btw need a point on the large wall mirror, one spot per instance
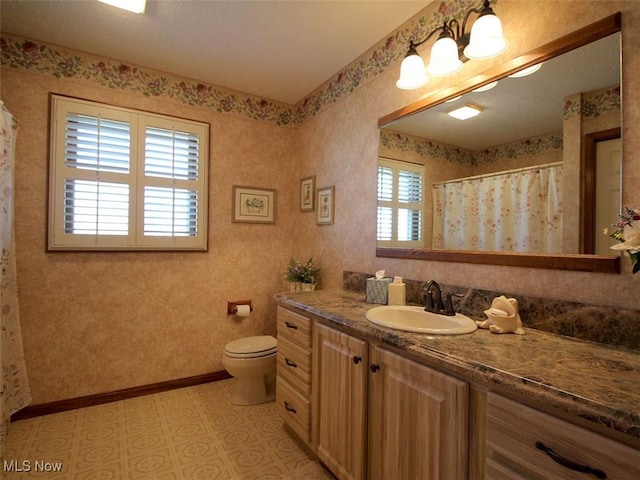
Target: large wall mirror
(530, 181)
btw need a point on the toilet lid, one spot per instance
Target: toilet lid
(258, 346)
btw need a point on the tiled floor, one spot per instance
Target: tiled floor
(190, 433)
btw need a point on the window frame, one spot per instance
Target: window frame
(395, 204)
(135, 239)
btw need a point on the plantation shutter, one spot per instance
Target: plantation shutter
(171, 210)
(385, 203)
(122, 179)
(400, 204)
(94, 147)
(409, 206)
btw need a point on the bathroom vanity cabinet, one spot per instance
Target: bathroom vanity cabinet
(339, 428)
(378, 415)
(373, 406)
(293, 383)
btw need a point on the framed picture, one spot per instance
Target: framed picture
(254, 205)
(307, 194)
(325, 201)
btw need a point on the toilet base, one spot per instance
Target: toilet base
(253, 391)
(255, 373)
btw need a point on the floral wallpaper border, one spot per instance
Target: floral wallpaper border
(590, 105)
(374, 62)
(24, 54)
(593, 104)
(427, 148)
(402, 142)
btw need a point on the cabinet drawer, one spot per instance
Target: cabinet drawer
(294, 365)
(294, 327)
(294, 408)
(516, 433)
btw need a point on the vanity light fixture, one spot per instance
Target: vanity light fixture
(466, 112)
(526, 71)
(135, 6)
(486, 87)
(453, 47)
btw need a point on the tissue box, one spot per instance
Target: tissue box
(378, 290)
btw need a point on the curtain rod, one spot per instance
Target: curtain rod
(497, 174)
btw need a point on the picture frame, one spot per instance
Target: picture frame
(307, 193)
(253, 205)
(325, 203)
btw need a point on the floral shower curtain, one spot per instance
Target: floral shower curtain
(14, 384)
(513, 211)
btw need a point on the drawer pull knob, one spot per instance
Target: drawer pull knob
(374, 368)
(289, 408)
(290, 325)
(290, 363)
(568, 463)
(357, 359)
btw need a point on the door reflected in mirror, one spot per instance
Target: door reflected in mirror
(511, 178)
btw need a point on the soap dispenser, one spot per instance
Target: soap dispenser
(397, 292)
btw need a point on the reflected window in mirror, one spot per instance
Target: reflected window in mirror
(400, 204)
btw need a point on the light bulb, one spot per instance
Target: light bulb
(444, 58)
(412, 72)
(486, 38)
(526, 71)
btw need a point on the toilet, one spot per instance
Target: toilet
(252, 361)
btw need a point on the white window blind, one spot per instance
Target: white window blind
(95, 208)
(400, 204)
(171, 154)
(123, 179)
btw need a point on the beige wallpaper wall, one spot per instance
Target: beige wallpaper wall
(99, 322)
(340, 149)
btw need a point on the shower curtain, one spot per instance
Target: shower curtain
(14, 384)
(513, 211)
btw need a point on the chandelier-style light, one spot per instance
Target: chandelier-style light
(453, 47)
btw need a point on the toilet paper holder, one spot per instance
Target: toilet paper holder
(232, 307)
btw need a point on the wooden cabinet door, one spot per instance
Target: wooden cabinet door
(417, 421)
(339, 402)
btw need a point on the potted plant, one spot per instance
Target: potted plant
(302, 276)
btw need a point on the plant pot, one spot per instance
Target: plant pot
(308, 287)
(295, 286)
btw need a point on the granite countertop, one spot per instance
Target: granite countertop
(595, 382)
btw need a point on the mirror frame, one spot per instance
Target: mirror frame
(577, 262)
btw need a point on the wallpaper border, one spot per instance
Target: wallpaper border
(409, 143)
(39, 57)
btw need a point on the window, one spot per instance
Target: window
(400, 204)
(123, 179)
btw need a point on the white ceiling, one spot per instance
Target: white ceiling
(280, 50)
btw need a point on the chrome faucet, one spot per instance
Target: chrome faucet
(433, 300)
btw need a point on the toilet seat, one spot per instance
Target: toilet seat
(251, 347)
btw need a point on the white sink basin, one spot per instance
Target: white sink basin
(415, 319)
